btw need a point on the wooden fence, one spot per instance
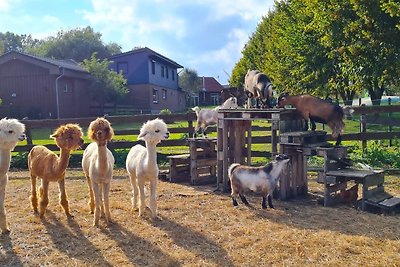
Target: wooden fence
(362, 136)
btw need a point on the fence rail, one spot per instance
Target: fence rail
(362, 136)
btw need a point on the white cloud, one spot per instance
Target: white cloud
(7, 5)
(51, 20)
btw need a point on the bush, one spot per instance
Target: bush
(165, 112)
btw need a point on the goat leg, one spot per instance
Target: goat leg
(244, 200)
(264, 202)
(313, 126)
(234, 202)
(270, 202)
(338, 140)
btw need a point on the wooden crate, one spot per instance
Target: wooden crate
(179, 168)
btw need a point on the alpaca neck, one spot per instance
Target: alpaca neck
(102, 162)
(151, 154)
(5, 158)
(63, 160)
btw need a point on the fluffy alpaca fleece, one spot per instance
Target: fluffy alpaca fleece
(45, 164)
(11, 131)
(98, 163)
(141, 164)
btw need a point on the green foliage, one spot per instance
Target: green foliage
(190, 83)
(13, 42)
(19, 160)
(165, 112)
(106, 85)
(378, 155)
(77, 44)
(326, 48)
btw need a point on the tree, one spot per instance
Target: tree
(190, 82)
(13, 42)
(106, 85)
(77, 44)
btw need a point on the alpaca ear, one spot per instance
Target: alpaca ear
(54, 135)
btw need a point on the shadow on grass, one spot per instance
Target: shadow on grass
(195, 242)
(72, 241)
(9, 257)
(139, 251)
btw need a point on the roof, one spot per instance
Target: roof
(152, 54)
(67, 63)
(211, 84)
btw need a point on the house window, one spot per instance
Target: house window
(164, 93)
(153, 67)
(155, 96)
(66, 88)
(122, 67)
(172, 75)
(162, 71)
(166, 72)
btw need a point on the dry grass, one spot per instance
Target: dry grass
(197, 228)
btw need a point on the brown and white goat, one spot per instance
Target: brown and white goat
(317, 110)
(261, 180)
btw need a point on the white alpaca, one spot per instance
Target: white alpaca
(141, 164)
(98, 164)
(11, 131)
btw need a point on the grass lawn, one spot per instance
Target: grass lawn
(196, 227)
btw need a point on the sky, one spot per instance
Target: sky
(204, 35)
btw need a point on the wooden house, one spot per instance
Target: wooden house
(152, 80)
(41, 88)
(209, 93)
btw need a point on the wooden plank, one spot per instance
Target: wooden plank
(352, 173)
(376, 195)
(375, 179)
(390, 202)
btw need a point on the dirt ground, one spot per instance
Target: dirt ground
(196, 227)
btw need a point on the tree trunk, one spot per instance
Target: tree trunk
(376, 92)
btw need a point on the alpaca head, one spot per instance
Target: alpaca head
(154, 131)
(11, 131)
(100, 131)
(68, 136)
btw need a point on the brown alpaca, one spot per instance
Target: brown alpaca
(44, 164)
(98, 164)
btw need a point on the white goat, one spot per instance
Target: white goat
(261, 180)
(207, 117)
(11, 132)
(141, 164)
(98, 164)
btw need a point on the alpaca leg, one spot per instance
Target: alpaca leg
(142, 204)
(3, 219)
(338, 140)
(106, 191)
(44, 197)
(101, 190)
(153, 198)
(63, 197)
(34, 199)
(91, 201)
(134, 191)
(96, 191)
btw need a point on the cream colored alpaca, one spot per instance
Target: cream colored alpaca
(45, 164)
(11, 131)
(141, 164)
(98, 163)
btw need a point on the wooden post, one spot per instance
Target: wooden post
(225, 178)
(193, 162)
(220, 150)
(28, 134)
(390, 118)
(248, 143)
(274, 137)
(363, 129)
